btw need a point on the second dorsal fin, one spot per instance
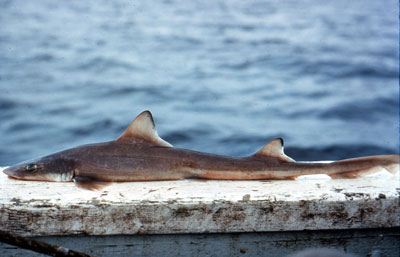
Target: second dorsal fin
(274, 149)
(143, 127)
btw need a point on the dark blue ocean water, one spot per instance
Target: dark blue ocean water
(219, 76)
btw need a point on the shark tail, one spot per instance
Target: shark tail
(392, 168)
(355, 173)
(390, 163)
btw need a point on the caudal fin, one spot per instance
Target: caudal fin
(394, 164)
(393, 168)
(355, 173)
(377, 163)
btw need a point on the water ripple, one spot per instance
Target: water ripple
(219, 76)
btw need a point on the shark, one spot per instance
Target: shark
(139, 154)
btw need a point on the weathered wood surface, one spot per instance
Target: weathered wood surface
(361, 242)
(190, 206)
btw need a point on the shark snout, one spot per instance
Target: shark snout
(17, 171)
(9, 171)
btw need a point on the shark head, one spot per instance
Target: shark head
(48, 168)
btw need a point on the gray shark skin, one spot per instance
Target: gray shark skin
(139, 154)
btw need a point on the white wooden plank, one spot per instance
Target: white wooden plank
(191, 206)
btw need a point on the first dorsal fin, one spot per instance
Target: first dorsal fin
(274, 149)
(143, 127)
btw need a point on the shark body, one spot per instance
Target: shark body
(139, 154)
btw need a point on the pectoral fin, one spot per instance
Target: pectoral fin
(90, 183)
(274, 149)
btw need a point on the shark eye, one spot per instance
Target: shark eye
(31, 167)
